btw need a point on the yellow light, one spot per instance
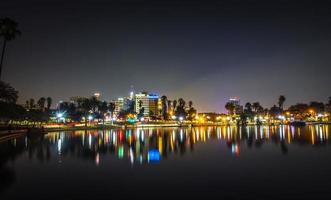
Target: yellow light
(160, 145)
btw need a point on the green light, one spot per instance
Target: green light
(120, 152)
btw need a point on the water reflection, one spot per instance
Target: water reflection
(140, 146)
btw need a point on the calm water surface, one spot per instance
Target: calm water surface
(231, 162)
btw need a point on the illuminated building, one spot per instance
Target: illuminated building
(150, 103)
(97, 95)
(131, 93)
(118, 105)
(121, 104)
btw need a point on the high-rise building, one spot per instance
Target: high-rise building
(147, 101)
(122, 103)
(131, 93)
(118, 105)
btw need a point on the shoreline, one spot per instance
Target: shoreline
(39, 131)
(130, 126)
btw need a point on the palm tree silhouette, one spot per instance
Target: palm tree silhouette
(41, 103)
(48, 103)
(256, 106)
(9, 31)
(281, 101)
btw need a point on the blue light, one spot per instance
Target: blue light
(154, 155)
(153, 96)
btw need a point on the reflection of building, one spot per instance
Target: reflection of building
(150, 145)
(150, 103)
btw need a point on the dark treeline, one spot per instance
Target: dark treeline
(299, 111)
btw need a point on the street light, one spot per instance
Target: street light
(59, 115)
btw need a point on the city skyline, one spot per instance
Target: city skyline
(206, 52)
(179, 99)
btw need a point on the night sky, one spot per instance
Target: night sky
(204, 51)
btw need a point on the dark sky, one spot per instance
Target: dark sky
(205, 51)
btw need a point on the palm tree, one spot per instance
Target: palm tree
(180, 111)
(103, 109)
(48, 103)
(27, 104)
(86, 107)
(31, 102)
(281, 101)
(174, 104)
(41, 103)
(111, 108)
(190, 104)
(181, 102)
(141, 108)
(9, 31)
(164, 101)
(256, 106)
(8, 93)
(94, 103)
(169, 105)
(191, 111)
(230, 107)
(248, 106)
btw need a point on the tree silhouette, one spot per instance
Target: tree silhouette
(48, 103)
(111, 108)
(8, 93)
(103, 109)
(9, 31)
(164, 112)
(41, 103)
(230, 107)
(281, 101)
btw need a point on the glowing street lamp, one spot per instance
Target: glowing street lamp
(59, 115)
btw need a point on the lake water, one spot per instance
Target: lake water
(231, 162)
